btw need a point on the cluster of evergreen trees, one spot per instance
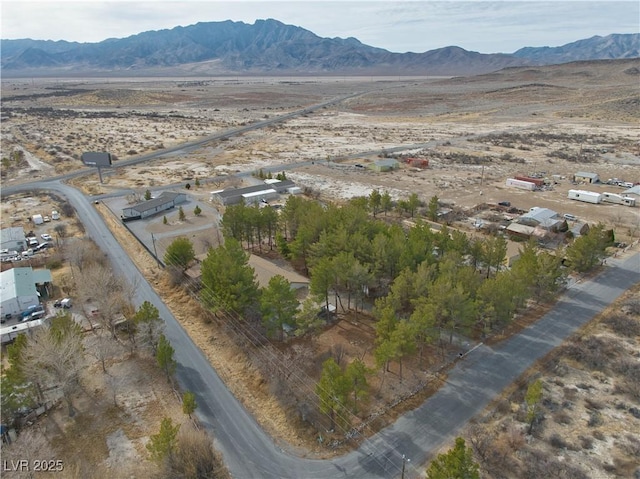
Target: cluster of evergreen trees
(429, 284)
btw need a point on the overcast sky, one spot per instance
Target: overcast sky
(416, 26)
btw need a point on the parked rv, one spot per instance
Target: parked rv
(618, 199)
(55, 215)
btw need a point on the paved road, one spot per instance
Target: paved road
(250, 453)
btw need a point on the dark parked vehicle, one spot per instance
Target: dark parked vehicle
(505, 203)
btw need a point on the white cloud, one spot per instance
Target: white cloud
(418, 26)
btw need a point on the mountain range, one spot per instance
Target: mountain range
(270, 47)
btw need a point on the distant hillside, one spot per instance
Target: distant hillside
(269, 47)
(611, 47)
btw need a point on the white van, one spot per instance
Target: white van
(55, 215)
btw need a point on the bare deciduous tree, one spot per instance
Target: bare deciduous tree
(31, 445)
(102, 348)
(194, 457)
(56, 359)
(110, 293)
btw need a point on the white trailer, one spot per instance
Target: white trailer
(10, 333)
(37, 219)
(523, 185)
(618, 199)
(586, 196)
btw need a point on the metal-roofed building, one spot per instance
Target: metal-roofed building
(586, 177)
(388, 164)
(252, 194)
(13, 238)
(18, 289)
(633, 192)
(164, 202)
(544, 218)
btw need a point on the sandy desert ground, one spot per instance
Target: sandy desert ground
(475, 133)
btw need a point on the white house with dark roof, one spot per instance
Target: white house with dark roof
(164, 202)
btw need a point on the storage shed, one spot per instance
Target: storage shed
(388, 164)
(164, 202)
(586, 177)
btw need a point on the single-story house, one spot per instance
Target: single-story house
(634, 192)
(387, 164)
(164, 202)
(19, 289)
(265, 270)
(13, 239)
(543, 218)
(586, 177)
(252, 194)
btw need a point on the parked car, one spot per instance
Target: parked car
(62, 303)
(41, 247)
(55, 215)
(27, 253)
(46, 219)
(505, 203)
(33, 242)
(567, 216)
(46, 236)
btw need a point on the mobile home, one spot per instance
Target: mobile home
(523, 185)
(586, 196)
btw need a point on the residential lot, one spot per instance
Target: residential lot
(475, 133)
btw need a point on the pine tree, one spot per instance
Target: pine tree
(162, 444)
(181, 215)
(457, 463)
(278, 305)
(333, 389)
(533, 398)
(189, 404)
(197, 210)
(164, 356)
(147, 195)
(180, 253)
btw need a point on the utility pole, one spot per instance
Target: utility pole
(404, 461)
(155, 253)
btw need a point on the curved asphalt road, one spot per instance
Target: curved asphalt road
(250, 453)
